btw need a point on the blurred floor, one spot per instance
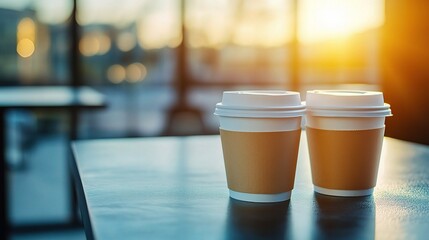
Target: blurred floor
(39, 188)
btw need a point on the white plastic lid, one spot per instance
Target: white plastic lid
(260, 104)
(347, 103)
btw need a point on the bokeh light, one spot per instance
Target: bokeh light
(89, 45)
(94, 43)
(126, 41)
(25, 48)
(26, 29)
(105, 43)
(26, 37)
(136, 72)
(116, 73)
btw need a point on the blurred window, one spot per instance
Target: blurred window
(35, 50)
(35, 44)
(129, 51)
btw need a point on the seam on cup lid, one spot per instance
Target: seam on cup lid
(259, 114)
(339, 92)
(232, 107)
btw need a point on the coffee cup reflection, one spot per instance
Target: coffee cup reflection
(246, 220)
(343, 218)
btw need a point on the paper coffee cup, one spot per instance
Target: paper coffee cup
(260, 133)
(345, 132)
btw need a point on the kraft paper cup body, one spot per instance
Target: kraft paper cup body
(260, 133)
(345, 132)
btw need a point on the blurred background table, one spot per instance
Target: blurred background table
(54, 98)
(175, 188)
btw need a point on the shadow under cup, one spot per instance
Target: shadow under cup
(343, 218)
(246, 220)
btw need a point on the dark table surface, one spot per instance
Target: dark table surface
(46, 97)
(175, 188)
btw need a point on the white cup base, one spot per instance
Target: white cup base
(262, 198)
(343, 193)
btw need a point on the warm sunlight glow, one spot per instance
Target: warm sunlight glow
(157, 29)
(215, 24)
(333, 19)
(176, 41)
